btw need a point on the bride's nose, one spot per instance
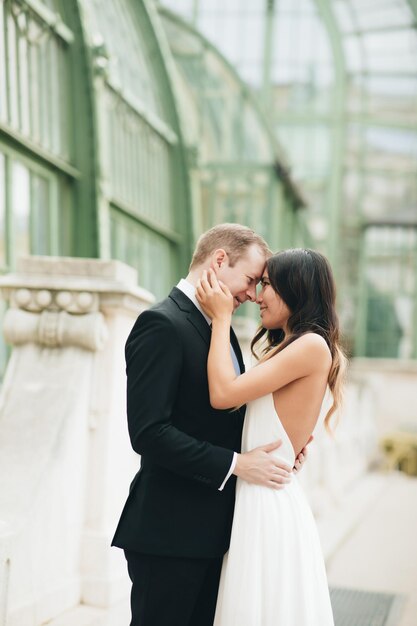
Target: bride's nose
(259, 297)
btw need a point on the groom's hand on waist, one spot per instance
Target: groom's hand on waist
(261, 468)
(301, 458)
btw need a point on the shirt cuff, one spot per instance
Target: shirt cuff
(230, 472)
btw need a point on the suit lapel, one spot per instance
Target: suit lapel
(200, 324)
(197, 320)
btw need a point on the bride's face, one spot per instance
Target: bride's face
(273, 310)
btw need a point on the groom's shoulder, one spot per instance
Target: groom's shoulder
(154, 325)
(168, 308)
(165, 313)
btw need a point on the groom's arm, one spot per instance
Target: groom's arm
(154, 363)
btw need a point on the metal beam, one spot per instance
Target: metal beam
(51, 19)
(389, 28)
(338, 131)
(155, 227)
(267, 53)
(156, 123)
(30, 148)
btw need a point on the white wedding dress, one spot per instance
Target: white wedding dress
(274, 573)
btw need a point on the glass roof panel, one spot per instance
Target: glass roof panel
(390, 99)
(353, 48)
(52, 4)
(300, 50)
(392, 142)
(237, 28)
(344, 16)
(388, 17)
(389, 50)
(296, 6)
(374, 5)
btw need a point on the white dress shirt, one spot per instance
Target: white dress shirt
(189, 290)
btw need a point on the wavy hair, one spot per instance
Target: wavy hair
(304, 279)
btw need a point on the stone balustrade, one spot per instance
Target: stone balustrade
(65, 457)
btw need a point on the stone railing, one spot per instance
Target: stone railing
(65, 458)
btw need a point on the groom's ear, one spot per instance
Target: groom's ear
(219, 259)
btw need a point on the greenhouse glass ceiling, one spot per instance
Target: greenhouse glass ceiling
(346, 63)
(338, 81)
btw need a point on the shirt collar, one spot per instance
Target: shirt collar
(189, 290)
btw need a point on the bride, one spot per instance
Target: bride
(274, 573)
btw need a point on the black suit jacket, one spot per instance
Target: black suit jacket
(174, 506)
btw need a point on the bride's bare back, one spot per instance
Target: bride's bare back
(298, 405)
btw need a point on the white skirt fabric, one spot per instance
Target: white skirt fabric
(274, 573)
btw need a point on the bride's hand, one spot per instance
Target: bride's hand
(214, 297)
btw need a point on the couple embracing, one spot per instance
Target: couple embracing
(216, 529)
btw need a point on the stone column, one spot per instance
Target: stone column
(65, 457)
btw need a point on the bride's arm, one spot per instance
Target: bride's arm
(220, 369)
(217, 301)
(304, 356)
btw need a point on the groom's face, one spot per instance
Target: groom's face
(245, 274)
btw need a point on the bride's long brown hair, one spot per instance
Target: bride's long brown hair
(304, 279)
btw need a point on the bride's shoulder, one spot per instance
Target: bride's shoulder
(312, 340)
(313, 345)
(309, 347)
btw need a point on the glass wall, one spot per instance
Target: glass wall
(144, 203)
(36, 116)
(89, 137)
(388, 291)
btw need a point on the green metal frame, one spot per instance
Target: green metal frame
(183, 190)
(334, 199)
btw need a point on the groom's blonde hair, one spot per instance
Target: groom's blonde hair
(235, 239)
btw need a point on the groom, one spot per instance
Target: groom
(176, 523)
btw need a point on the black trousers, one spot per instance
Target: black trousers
(170, 591)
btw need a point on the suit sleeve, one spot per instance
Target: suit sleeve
(153, 365)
